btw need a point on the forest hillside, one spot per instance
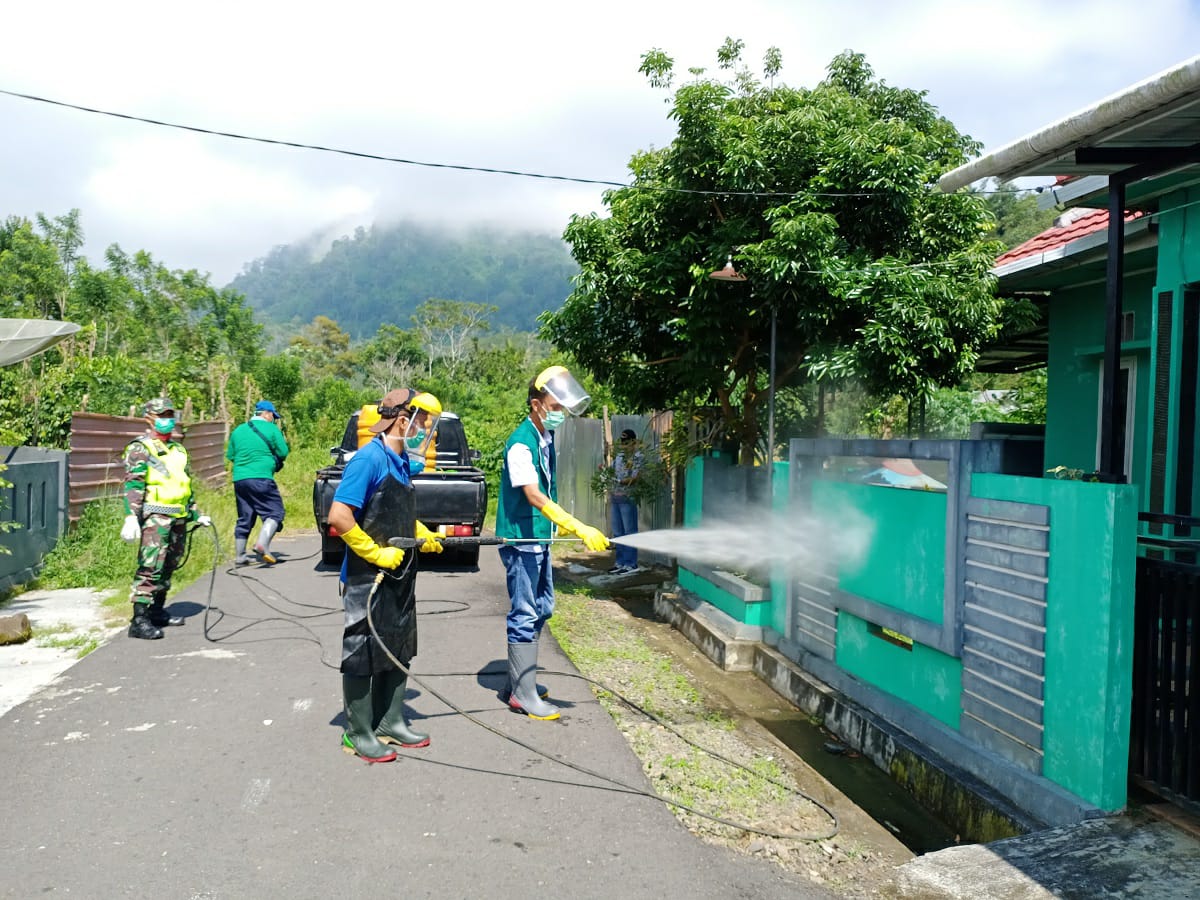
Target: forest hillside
(380, 275)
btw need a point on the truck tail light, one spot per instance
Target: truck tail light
(464, 530)
(333, 532)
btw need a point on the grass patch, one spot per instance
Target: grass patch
(63, 637)
(605, 649)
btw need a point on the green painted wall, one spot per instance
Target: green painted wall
(929, 680)
(1178, 268)
(1073, 373)
(693, 492)
(749, 613)
(1179, 239)
(1089, 629)
(776, 615)
(905, 565)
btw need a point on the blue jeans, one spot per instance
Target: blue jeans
(624, 521)
(530, 580)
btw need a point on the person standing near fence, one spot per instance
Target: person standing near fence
(159, 505)
(257, 449)
(627, 466)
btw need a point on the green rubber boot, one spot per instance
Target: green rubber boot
(359, 738)
(522, 670)
(392, 728)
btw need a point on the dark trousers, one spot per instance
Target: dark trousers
(256, 498)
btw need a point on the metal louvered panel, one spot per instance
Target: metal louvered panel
(1004, 629)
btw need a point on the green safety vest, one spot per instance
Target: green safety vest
(168, 487)
(515, 516)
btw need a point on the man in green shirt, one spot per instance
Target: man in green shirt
(257, 450)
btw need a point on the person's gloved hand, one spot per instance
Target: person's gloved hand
(203, 521)
(432, 539)
(360, 542)
(387, 557)
(131, 529)
(593, 538)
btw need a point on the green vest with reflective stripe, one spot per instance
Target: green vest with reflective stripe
(168, 487)
(515, 516)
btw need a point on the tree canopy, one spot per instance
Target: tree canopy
(823, 198)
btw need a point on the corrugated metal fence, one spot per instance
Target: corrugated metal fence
(98, 444)
(585, 445)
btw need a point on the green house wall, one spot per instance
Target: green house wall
(1178, 270)
(1089, 629)
(1076, 323)
(905, 564)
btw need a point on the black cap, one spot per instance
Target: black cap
(628, 435)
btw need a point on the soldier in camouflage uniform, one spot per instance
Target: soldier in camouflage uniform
(158, 505)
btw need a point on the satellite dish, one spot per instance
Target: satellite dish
(23, 338)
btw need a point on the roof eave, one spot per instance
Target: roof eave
(1017, 158)
(1071, 253)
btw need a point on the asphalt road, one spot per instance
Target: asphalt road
(197, 768)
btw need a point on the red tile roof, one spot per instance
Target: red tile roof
(1083, 222)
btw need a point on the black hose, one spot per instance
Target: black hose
(600, 775)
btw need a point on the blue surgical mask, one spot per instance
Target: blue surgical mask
(553, 419)
(415, 441)
(164, 426)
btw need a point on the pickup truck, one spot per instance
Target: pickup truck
(451, 498)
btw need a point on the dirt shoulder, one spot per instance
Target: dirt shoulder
(607, 626)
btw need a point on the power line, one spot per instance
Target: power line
(358, 154)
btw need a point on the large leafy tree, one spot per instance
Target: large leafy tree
(823, 198)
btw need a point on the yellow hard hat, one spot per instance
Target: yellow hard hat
(427, 402)
(562, 386)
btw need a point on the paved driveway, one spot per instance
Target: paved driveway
(211, 769)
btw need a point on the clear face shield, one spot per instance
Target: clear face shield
(422, 426)
(562, 386)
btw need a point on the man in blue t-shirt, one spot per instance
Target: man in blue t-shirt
(373, 504)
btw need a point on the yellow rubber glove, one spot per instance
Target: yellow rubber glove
(360, 542)
(432, 540)
(593, 538)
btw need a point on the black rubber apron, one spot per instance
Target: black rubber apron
(390, 512)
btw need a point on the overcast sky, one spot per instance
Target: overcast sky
(549, 87)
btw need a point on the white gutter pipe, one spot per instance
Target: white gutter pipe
(1012, 160)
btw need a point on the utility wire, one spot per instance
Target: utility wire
(464, 168)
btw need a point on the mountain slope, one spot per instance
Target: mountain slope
(383, 274)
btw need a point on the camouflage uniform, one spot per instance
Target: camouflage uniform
(163, 534)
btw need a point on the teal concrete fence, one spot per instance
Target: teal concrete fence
(990, 617)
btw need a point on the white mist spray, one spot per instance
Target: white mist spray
(788, 541)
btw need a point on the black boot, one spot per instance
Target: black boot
(359, 738)
(160, 618)
(140, 625)
(388, 689)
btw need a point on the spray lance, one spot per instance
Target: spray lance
(450, 543)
